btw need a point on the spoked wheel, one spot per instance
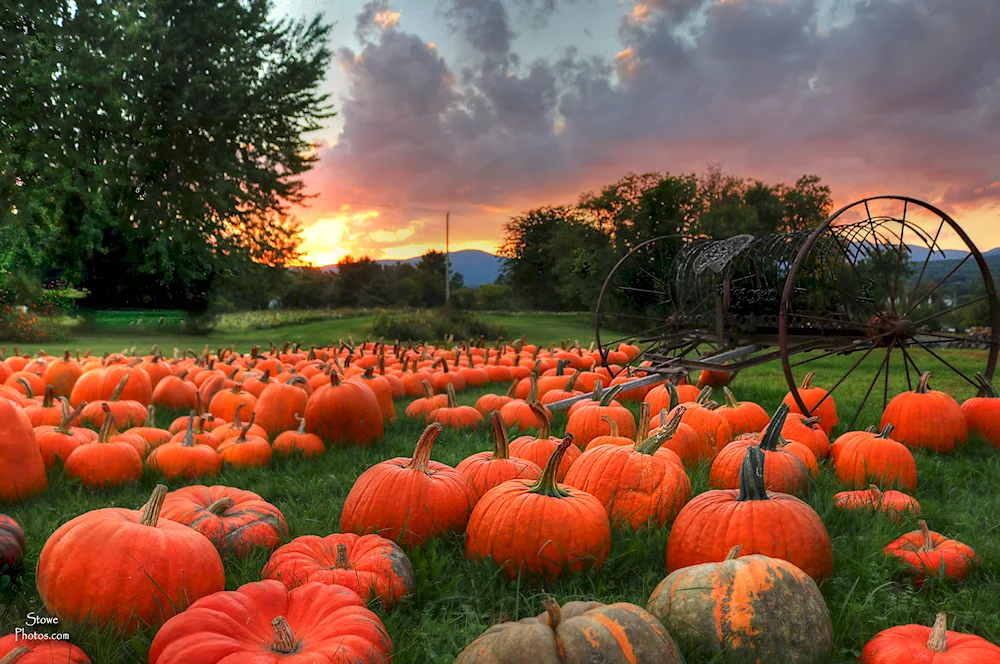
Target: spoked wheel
(876, 284)
(647, 305)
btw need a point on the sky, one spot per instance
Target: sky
(487, 108)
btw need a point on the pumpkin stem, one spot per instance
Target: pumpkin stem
(571, 383)
(452, 398)
(938, 640)
(922, 386)
(302, 424)
(150, 416)
(284, 638)
(561, 366)
(151, 510)
(771, 437)
(500, 439)
(612, 425)
(610, 395)
(645, 411)
(428, 389)
(546, 484)
(341, 561)
(731, 401)
(109, 422)
(512, 391)
(674, 399)
(752, 476)
(928, 544)
(189, 436)
(734, 552)
(50, 394)
(219, 507)
(986, 388)
(69, 415)
(876, 493)
(242, 438)
(810, 422)
(335, 381)
(886, 431)
(704, 395)
(28, 392)
(237, 420)
(533, 392)
(15, 654)
(664, 433)
(542, 415)
(119, 388)
(422, 454)
(807, 380)
(553, 612)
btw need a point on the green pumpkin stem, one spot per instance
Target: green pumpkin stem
(938, 640)
(546, 484)
(664, 433)
(571, 383)
(704, 395)
(807, 380)
(500, 439)
(986, 388)
(612, 425)
(922, 386)
(553, 612)
(734, 553)
(561, 366)
(302, 424)
(610, 395)
(886, 431)
(645, 415)
(771, 438)
(452, 397)
(731, 401)
(422, 454)
(674, 399)
(596, 394)
(752, 476)
(151, 510)
(221, 506)
(242, 438)
(811, 422)
(28, 392)
(189, 436)
(542, 415)
(284, 639)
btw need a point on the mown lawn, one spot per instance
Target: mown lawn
(457, 599)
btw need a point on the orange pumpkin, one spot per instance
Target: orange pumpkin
(817, 401)
(486, 470)
(894, 503)
(521, 414)
(917, 644)
(454, 416)
(927, 554)
(587, 423)
(186, 458)
(876, 459)
(982, 413)
(742, 416)
(62, 375)
(22, 470)
(128, 412)
(175, 393)
(58, 442)
(927, 419)
(18, 649)
(487, 403)
(307, 444)
(246, 451)
(538, 449)
(224, 403)
(345, 413)
(105, 463)
(806, 430)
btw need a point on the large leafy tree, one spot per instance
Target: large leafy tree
(156, 146)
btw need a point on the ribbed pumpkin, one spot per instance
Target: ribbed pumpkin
(712, 429)
(306, 444)
(12, 544)
(576, 633)
(927, 419)
(928, 554)
(454, 416)
(784, 472)
(46, 412)
(87, 386)
(16, 649)
(186, 458)
(917, 644)
(982, 413)
(266, 623)
(344, 413)
(235, 521)
(383, 392)
(750, 608)
(487, 403)
(128, 412)
(138, 387)
(567, 391)
(22, 471)
(641, 486)
(105, 463)
(225, 402)
(246, 451)
(570, 531)
(58, 442)
(876, 459)
(175, 393)
(372, 566)
(523, 415)
(894, 503)
(148, 431)
(587, 422)
(538, 449)
(160, 567)
(817, 402)
(806, 430)
(614, 436)
(773, 524)
(62, 375)
(486, 470)
(742, 416)
(408, 500)
(427, 404)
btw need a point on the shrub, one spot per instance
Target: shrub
(433, 324)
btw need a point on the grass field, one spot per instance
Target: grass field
(457, 599)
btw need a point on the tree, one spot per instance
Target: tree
(359, 283)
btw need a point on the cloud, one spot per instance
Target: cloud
(896, 96)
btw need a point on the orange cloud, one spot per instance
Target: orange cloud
(387, 19)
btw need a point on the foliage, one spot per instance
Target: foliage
(31, 311)
(429, 325)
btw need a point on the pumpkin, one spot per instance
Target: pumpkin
(26, 383)
(46, 412)
(383, 392)
(344, 413)
(279, 403)
(640, 486)
(372, 566)
(268, 623)
(153, 435)
(487, 403)
(806, 430)
(712, 429)
(160, 567)
(424, 406)
(105, 463)
(15, 649)
(927, 419)
(716, 379)
(596, 398)
(522, 415)
(175, 393)
(587, 422)
(894, 503)
(185, 458)
(663, 396)
(982, 413)
(917, 644)
(742, 416)
(62, 375)
(235, 521)
(614, 436)
(570, 531)
(202, 432)
(486, 470)
(539, 449)
(446, 377)
(770, 523)
(408, 500)
(130, 382)
(876, 459)
(750, 608)
(22, 470)
(245, 451)
(58, 442)
(567, 391)
(928, 554)
(12, 543)
(576, 633)
(784, 471)
(128, 413)
(307, 444)
(454, 416)
(819, 403)
(224, 403)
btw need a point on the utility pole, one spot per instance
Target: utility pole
(447, 257)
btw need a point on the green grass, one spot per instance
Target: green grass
(457, 599)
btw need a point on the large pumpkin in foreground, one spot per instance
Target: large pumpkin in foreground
(265, 623)
(918, 644)
(126, 568)
(22, 471)
(750, 608)
(576, 633)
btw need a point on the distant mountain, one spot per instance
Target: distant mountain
(476, 267)
(919, 253)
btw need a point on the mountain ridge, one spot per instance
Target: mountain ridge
(476, 267)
